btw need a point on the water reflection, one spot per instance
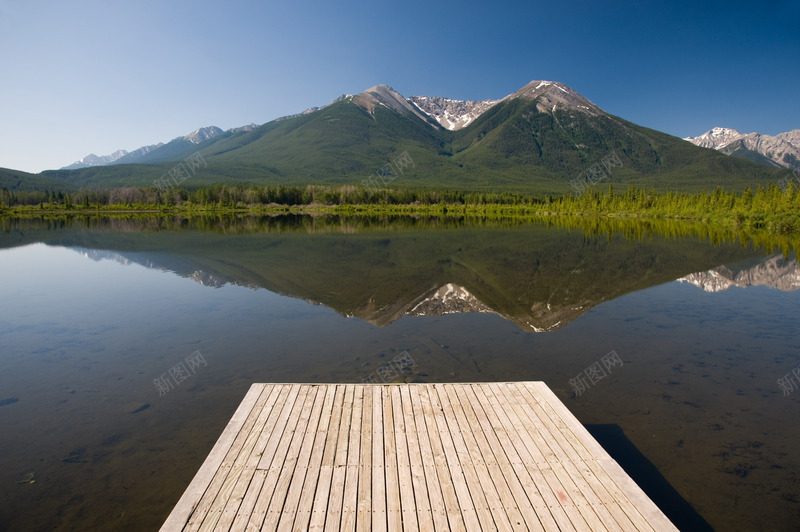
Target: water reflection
(538, 277)
(331, 299)
(775, 271)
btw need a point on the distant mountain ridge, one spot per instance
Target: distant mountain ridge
(95, 160)
(544, 138)
(781, 150)
(450, 114)
(139, 155)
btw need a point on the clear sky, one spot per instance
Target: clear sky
(86, 77)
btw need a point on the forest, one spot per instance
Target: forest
(774, 208)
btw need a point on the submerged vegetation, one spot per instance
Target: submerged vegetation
(772, 209)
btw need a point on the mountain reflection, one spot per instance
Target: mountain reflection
(775, 271)
(539, 276)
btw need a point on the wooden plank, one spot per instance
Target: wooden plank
(504, 432)
(564, 455)
(423, 516)
(391, 453)
(580, 469)
(201, 482)
(274, 466)
(501, 504)
(364, 515)
(446, 513)
(268, 444)
(577, 466)
(480, 456)
(331, 520)
(480, 489)
(408, 508)
(251, 454)
(309, 417)
(321, 496)
(501, 466)
(300, 497)
(353, 458)
(631, 497)
(378, 500)
(306, 487)
(581, 514)
(538, 465)
(211, 506)
(467, 505)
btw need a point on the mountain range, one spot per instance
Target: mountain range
(542, 138)
(146, 154)
(782, 150)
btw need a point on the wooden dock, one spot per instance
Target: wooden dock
(386, 457)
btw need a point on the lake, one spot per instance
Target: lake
(127, 343)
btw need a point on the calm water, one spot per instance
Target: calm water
(96, 315)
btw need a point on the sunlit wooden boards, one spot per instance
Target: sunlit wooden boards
(386, 457)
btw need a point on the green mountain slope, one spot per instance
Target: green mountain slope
(18, 180)
(537, 140)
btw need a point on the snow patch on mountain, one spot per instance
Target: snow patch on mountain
(553, 95)
(449, 299)
(249, 127)
(314, 109)
(203, 134)
(773, 272)
(195, 137)
(782, 149)
(95, 160)
(716, 139)
(451, 114)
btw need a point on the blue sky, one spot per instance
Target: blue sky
(81, 77)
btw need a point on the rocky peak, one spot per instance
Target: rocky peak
(243, 129)
(717, 138)
(782, 149)
(451, 114)
(384, 95)
(551, 95)
(95, 160)
(204, 133)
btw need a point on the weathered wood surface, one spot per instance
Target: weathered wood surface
(478, 456)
